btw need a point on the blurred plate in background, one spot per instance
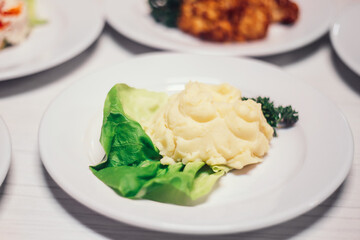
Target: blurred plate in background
(345, 37)
(5, 150)
(133, 20)
(71, 27)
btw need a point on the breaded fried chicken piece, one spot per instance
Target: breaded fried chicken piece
(283, 11)
(225, 20)
(252, 23)
(208, 19)
(233, 20)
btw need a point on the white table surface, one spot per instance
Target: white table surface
(33, 206)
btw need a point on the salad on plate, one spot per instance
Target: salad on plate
(175, 148)
(17, 18)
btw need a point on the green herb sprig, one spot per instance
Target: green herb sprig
(276, 116)
(165, 11)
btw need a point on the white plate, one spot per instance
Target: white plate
(345, 37)
(72, 26)
(132, 19)
(5, 150)
(305, 164)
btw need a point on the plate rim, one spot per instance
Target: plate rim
(74, 51)
(279, 218)
(8, 153)
(334, 38)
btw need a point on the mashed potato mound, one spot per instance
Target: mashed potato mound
(210, 123)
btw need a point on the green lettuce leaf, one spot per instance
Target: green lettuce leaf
(123, 139)
(132, 167)
(140, 104)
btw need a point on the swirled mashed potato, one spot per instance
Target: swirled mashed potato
(210, 123)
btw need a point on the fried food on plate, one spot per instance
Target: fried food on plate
(283, 11)
(234, 20)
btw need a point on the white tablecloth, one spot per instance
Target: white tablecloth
(33, 206)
